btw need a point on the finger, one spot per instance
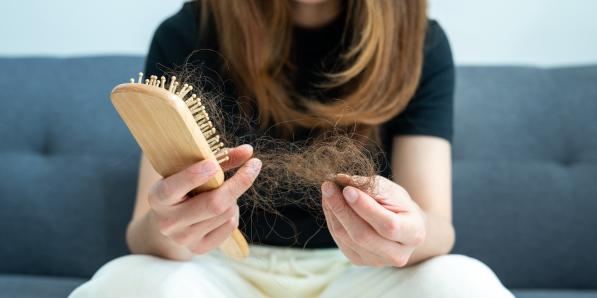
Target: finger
(363, 234)
(205, 227)
(188, 235)
(369, 256)
(237, 156)
(356, 254)
(354, 180)
(391, 195)
(354, 225)
(214, 238)
(173, 189)
(393, 226)
(234, 187)
(212, 203)
(337, 232)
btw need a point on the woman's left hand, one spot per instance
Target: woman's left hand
(381, 227)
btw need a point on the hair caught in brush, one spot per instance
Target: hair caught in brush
(292, 171)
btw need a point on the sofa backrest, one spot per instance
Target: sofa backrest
(68, 165)
(525, 169)
(525, 173)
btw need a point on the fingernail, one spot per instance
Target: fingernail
(327, 189)
(343, 176)
(350, 194)
(342, 179)
(247, 146)
(255, 166)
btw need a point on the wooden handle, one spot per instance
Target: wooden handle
(171, 140)
(236, 246)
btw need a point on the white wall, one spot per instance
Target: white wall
(80, 27)
(543, 32)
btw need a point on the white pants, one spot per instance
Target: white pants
(287, 272)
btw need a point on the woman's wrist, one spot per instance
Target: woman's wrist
(439, 240)
(143, 237)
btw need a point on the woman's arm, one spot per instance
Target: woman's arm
(422, 165)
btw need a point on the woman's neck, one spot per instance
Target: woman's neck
(315, 13)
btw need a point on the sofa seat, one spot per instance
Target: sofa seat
(554, 293)
(36, 286)
(31, 286)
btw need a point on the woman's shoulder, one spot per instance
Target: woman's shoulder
(177, 39)
(437, 49)
(430, 111)
(180, 29)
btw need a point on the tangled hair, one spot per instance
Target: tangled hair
(379, 68)
(292, 171)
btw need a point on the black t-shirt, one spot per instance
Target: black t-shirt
(177, 42)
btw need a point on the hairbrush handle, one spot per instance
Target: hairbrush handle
(235, 246)
(171, 136)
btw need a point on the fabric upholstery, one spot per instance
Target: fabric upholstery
(525, 152)
(525, 172)
(555, 294)
(29, 286)
(69, 165)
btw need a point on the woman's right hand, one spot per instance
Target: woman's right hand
(202, 222)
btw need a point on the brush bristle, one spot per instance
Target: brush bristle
(193, 102)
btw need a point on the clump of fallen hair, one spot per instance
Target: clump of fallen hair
(292, 173)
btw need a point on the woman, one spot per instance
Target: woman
(298, 65)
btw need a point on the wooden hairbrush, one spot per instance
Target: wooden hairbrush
(174, 131)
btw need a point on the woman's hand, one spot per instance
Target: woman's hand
(202, 222)
(378, 228)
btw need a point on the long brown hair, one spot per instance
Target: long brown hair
(381, 70)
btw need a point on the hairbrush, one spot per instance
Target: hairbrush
(173, 129)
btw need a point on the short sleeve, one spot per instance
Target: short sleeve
(173, 41)
(430, 111)
(155, 57)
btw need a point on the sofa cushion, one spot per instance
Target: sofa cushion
(543, 293)
(69, 165)
(29, 286)
(525, 173)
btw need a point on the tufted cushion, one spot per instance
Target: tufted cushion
(68, 165)
(525, 173)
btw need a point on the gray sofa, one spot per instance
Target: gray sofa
(525, 174)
